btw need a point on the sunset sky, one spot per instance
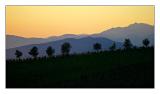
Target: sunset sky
(45, 21)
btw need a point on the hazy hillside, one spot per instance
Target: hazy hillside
(136, 32)
(16, 41)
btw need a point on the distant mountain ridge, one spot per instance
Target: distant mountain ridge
(13, 41)
(81, 43)
(135, 32)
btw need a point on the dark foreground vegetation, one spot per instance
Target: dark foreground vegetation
(132, 68)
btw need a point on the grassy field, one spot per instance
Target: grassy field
(116, 69)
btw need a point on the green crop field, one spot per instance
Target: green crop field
(132, 68)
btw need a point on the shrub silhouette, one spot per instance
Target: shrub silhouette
(18, 54)
(65, 48)
(34, 52)
(97, 46)
(145, 42)
(112, 47)
(50, 51)
(127, 44)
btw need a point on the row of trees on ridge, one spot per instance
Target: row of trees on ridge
(66, 47)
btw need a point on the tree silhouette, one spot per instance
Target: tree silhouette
(112, 47)
(50, 51)
(127, 44)
(97, 46)
(145, 42)
(18, 54)
(65, 48)
(34, 52)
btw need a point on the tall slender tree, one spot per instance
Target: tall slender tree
(50, 51)
(112, 47)
(127, 44)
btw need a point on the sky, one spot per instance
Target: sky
(45, 21)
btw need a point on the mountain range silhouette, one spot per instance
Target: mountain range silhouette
(81, 43)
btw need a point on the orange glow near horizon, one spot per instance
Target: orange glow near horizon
(45, 21)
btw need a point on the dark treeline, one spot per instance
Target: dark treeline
(66, 47)
(51, 57)
(127, 68)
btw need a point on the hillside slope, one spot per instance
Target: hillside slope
(118, 69)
